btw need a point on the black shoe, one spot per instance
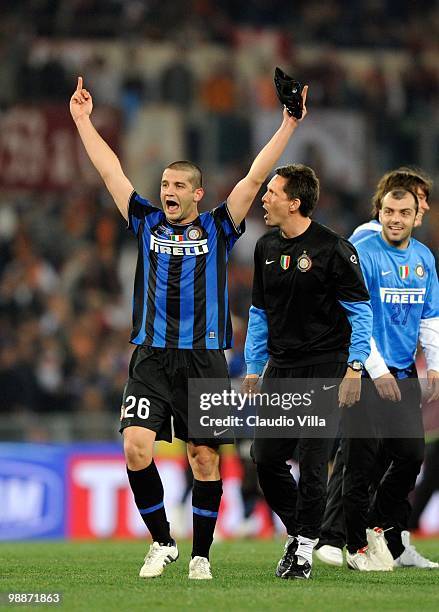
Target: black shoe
(288, 558)
(301, 572)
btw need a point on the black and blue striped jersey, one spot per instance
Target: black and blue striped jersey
(180, 288)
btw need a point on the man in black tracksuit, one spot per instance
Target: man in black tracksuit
(311, 318)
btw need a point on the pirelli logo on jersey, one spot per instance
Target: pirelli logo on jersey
(182, 247)
(402, 296)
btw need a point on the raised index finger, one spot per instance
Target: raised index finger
(79, 86)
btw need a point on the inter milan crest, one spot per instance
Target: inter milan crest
(419, 271)
(304, 262)
(194, 233)
(403, 272)
(285, 261)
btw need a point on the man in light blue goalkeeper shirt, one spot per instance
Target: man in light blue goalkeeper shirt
(401, 277)
(333, 539)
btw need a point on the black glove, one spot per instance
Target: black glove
(289, 93)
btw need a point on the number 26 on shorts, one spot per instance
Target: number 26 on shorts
(128, 411)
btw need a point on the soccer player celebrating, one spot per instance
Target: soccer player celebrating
(401, 276)
(405, 177)
(311, 318)
(333, 536)
(181, 323)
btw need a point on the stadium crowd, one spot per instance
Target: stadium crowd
(388, 23)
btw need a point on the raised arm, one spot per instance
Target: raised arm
(243, 194)
(101, 155)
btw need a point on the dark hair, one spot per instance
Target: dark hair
(399, 194)
(303, 184)
(197, 176)
(406, 178)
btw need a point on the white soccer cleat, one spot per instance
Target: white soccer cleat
(378, 548)
(157, 559)
(199, 569)
(331, 555)
(411, 557)
(364, 561)
(359, 560)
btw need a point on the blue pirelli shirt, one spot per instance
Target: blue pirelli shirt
(180, 288)
(404, 290)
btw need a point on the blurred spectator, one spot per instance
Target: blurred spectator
(218, 91)
(264, 95)
(103, 79)
(135, 88)
(177, 81)
(17, 382)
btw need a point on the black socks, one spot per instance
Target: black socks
(147, 488)
(148, 494)
(206, 498)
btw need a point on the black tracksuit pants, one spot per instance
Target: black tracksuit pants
(333, 526)
(390, 507)
(300, 506)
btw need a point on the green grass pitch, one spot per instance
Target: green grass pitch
(95, 576)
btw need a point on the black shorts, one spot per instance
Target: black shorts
(157, 389)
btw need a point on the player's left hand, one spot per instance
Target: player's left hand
(286, 115)
(432, 385)
(349, 391)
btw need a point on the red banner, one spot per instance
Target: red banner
(40, 147)
(100, 503)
